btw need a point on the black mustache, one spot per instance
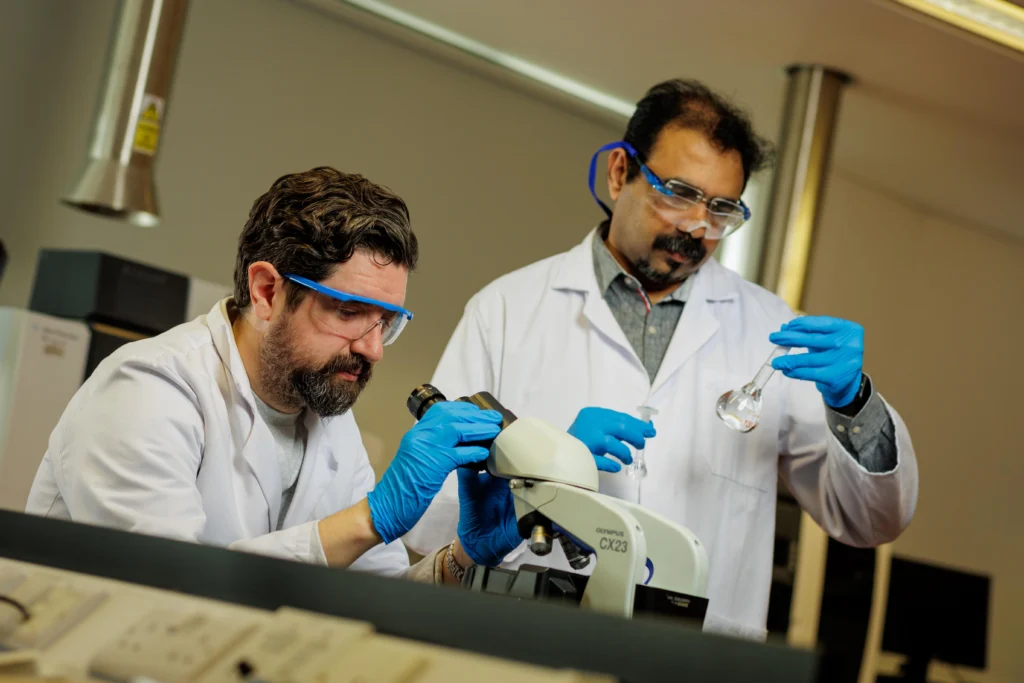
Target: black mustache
(690, 247)
(356, 365)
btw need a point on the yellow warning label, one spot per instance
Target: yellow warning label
(147, 128)
(146, 138)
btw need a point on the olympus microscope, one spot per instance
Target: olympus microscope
(645, 562)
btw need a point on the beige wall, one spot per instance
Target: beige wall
(494, 179)
(941, 305)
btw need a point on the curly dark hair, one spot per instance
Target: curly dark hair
(691, 104)
(308, 223)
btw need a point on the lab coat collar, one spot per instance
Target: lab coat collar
(577, 274)
(712, 284)
(219, 322)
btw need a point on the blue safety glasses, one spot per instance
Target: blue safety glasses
(353, 317)
(674, 200)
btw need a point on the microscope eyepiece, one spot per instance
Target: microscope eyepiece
(422, 398)
(426, 395)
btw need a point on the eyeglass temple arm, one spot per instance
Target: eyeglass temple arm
(621, 144)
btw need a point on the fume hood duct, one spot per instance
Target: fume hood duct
(118, 176)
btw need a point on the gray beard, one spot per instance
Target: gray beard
(652, 278)
(290, 382)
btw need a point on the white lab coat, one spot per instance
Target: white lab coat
(545, 343)
(164, 439)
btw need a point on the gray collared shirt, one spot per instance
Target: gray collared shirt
(648, 332)
(870, 435)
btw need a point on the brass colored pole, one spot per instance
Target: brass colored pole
(812, 104)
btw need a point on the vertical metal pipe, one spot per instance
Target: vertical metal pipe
(805, 143)
(118, 177)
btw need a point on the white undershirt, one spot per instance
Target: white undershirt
(290, 436)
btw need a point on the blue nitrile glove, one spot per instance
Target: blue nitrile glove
(487, 518)
(834, 358)
(604, 430)
(428, 453)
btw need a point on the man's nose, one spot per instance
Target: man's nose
(697, 216)
(371, 345)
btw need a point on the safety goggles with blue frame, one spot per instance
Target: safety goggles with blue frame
(675, 200)
(352, 316)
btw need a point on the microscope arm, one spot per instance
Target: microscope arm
(602, 524)
(679, 559)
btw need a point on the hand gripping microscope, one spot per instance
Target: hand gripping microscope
(644, 561)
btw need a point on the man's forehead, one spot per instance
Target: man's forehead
(691, 156)
(369, 276)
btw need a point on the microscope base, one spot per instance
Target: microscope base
(555, 585)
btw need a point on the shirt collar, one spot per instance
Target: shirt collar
(608, 271)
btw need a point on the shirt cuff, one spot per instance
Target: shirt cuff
(316, 548)
(869, 436)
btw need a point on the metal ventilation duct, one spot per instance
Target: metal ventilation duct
(118, 176)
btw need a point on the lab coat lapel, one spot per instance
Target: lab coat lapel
(259, 450)
(577, 275)
(319, 467)
(260, 453)
(698, 323)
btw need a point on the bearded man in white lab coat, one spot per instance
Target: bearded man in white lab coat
(236, 430)
(640, 314)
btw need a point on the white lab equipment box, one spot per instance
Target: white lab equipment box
(42, 364)
(202, 295)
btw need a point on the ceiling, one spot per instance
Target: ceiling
(935, 116)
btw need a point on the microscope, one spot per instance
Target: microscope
(644, 562)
